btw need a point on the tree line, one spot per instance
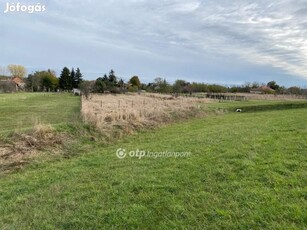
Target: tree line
(39, 81)
(110, 83)
(48, 81)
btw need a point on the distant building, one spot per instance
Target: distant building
(20, 84)
(262, 90)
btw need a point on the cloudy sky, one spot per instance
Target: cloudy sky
(213, 41)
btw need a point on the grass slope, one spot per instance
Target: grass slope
(247, 171)
(22, 111)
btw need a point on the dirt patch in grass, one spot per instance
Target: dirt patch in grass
(22, 147)
(12, 158)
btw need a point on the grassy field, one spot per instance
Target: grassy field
(246, 171)
(22, 111)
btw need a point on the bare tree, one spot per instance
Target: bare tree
(86, 88)
(17, 70)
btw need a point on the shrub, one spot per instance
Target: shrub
(7, 87)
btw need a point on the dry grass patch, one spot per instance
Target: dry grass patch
(132, 111)
(25, 146)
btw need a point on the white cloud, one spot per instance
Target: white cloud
(261, 33)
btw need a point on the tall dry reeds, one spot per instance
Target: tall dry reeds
(137, 110)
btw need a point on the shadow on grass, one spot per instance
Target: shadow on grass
(271, 107)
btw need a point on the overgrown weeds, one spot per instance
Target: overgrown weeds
(117, 115)
(17, 149)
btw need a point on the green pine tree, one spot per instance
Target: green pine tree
(112, 78)
(65, 82)
(78, 78)
(73, 78)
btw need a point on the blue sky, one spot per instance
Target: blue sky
(212, 41)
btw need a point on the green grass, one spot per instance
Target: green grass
(247, 171)
(258, 105)
(21, 111)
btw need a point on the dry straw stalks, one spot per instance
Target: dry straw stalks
(125, 113)
(26, 145)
